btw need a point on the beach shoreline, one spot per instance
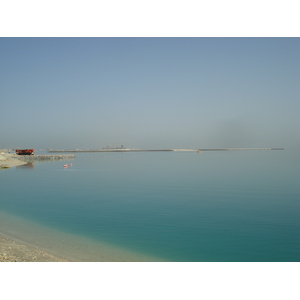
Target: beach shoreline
(13, 251)
(18, 250)
(8, 160)
(22, 240)
(10, 249)
(25, 241)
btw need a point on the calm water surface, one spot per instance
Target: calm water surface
(176, 206)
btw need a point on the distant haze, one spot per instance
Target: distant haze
(155, 93)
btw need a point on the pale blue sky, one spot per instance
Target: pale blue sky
(149, 92)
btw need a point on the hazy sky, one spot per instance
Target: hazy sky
(149, 92)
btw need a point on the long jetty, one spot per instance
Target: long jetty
(159, 150)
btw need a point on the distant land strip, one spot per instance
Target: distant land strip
(151, 150)
(238, 149)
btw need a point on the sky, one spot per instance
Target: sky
(149, 93)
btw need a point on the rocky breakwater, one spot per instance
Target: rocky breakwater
(32, 158)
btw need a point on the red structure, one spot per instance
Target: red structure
(25, 151)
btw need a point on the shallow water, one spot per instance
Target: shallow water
(172, 206)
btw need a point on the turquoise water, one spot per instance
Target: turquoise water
(175, 206)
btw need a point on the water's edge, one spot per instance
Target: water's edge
(65, 245)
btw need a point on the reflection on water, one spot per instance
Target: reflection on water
(29, 165)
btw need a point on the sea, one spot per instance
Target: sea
(214, 206)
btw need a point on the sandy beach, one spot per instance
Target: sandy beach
(22, 240)
(12, 251)
(8, 160)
